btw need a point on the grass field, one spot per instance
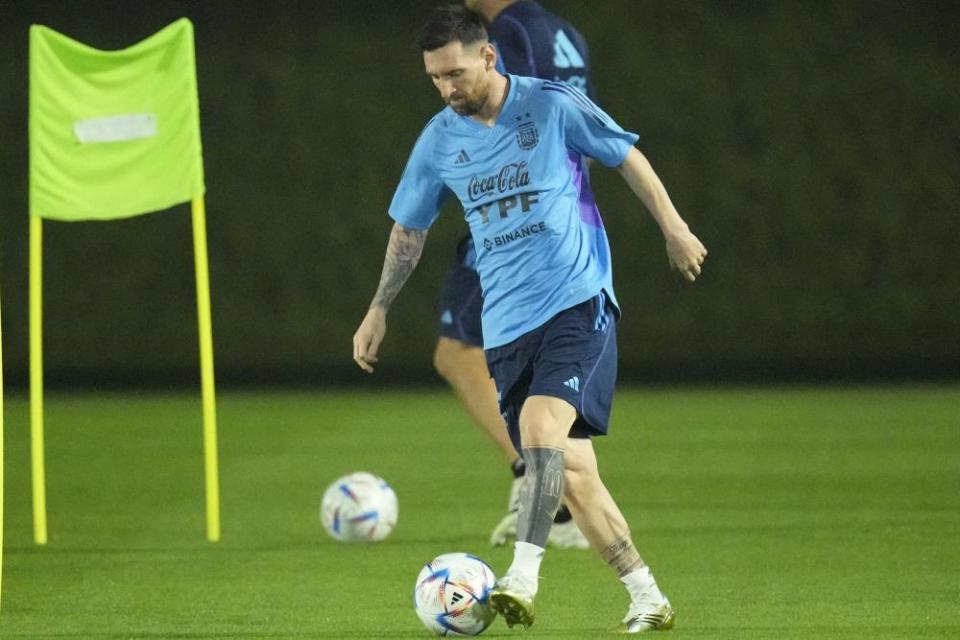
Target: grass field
(765, 513)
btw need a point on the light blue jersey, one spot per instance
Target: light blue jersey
(540, 243)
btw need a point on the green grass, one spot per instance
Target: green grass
(765, 513)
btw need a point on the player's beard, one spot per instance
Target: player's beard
(468, 105)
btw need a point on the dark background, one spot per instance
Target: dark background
(814, 147)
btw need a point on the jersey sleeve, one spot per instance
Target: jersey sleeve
(588, 130)
(513, 44)
(417, 200)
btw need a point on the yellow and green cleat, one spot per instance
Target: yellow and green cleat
(512, 598)
(648, 616)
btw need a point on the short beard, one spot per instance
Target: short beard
(471, 107)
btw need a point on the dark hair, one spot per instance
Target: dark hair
(450, 23)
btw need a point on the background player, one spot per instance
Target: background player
(530, 41)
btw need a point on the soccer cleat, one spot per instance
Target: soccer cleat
(512, 597)
(648, 614)
(567, 536)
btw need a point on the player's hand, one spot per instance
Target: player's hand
(367, 339)
(686, 253)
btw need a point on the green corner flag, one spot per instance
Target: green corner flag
(113, 134)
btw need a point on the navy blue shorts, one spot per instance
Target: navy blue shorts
(573, 356)
(461, 299)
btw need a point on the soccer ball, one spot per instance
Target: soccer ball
(359, 507)
(452, 595)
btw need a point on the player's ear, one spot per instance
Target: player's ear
(489, 54)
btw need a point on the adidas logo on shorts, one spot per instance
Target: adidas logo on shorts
(573, 383)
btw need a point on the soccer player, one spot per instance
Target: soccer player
(530, 41)
(512, 149)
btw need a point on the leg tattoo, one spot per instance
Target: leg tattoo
(622, 556)
(540, 495)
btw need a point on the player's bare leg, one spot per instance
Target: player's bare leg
(464, 367)
(603, 524)
(544, 424)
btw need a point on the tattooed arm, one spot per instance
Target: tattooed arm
(403, 252)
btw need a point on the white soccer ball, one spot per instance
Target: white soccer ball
(452, 595)
(359, 507)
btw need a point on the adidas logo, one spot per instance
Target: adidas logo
(447, 317)
(462, 158)
(573, 383)
(457, 597)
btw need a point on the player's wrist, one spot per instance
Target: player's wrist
(675, 229)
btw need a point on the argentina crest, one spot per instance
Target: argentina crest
(527, 136)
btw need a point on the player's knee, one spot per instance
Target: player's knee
(546, 421)
(541, 430)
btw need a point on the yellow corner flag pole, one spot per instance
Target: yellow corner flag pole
(36, 381)
(211, 467)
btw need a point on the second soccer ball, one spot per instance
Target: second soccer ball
(359, 507)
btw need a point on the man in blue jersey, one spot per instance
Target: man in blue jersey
(530, 41)
(512, 149)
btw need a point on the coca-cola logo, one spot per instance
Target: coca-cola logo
(511, 176)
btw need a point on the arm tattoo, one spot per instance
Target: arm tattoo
(403, 252)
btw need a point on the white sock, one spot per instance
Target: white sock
(639, 582)
(526, 560)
